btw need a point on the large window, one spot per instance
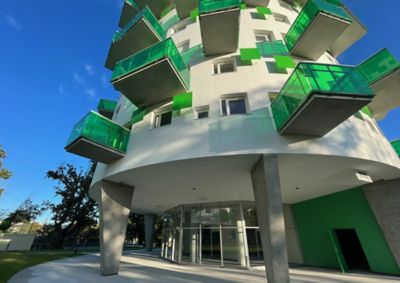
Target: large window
(225, 66)
(280, 18)
(233, 105)
(264, 35)
(162, 119)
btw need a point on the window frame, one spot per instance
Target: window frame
(158, 113)
(222, 62)
(226, 99)
(268, 35)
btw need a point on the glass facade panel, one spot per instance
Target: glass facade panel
(230, 215)
(230, 246)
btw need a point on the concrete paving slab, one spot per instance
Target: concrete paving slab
(146, 267)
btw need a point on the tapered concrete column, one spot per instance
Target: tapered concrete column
(149, 231)
(114, 207)
(267, 195)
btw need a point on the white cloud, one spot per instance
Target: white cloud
(12, 22)
(91, 92)
(78, 79)
(61, 89)
(89, 69)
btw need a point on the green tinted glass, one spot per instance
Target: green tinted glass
(271, 48)
(181, 101)
(209, 6)
(378, 66)
(107, 105)
(100, 130)
(308, 78)
(193, 54)
(133, 4)
(163, 49)
(396, 146)
(307, 15)
(151, 20)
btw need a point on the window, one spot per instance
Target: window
(183, 46)
(285, 5)
(162, 119)
(233, 105)
(264, 35)
(281, 18)
(201, 112)
(225, 66)
(178, 27)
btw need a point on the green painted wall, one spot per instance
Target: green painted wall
(347, 209)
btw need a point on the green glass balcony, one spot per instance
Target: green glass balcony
(396, 146)
(317, 97)
(316, 28)
(184, 7)
(107, 107)
(141, 32)
(132, 7)
(219, 25)
(272, 48)
(152, 75)
(382, 72)
(98, 138)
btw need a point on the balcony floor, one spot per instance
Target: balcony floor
(319, 36)
(151, 84)
(220, 31)
(139, 37)
(321, 113)
(86, 148)
(184, 7)
(387, 94)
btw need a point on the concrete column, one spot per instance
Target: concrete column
(267, 195)
(149, 231)
(115, 202)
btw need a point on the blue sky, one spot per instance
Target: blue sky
(52, 74)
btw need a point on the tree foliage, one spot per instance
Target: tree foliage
(26, 212)
(76, 211)
(4, 173)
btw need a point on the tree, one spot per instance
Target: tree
(76, 211)
(4, 173)
(135, 228)
(26, 212)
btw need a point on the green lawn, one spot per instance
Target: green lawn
(13, 262)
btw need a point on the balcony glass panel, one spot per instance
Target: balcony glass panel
(378, 66)
(150, 55)
(209, 6)
(396, 146)
(307, 15)
(100, 130)
(271, 48)
(150, 18)
(106, 105)
(326, 79)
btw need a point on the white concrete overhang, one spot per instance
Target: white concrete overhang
(220, 31)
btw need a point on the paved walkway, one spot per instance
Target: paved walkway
(145, 267)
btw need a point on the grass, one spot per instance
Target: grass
(13, 262)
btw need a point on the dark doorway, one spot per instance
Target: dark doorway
(352, 249)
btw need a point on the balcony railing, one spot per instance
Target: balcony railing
(396, 146)
(378, 66)
(210, 6)
(329, 81)
(106, 107)
(332, 21)
(98, 138)
(136, 75)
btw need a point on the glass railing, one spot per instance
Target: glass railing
(324, 79)
(147, 14)
(209, 6)
(149, 55)
(107, 105)
(271, 48)
(100, 130)
(396, 146)
(133, 4)
(307, 15)
(378, 66)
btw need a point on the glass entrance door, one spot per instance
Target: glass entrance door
(210, 245)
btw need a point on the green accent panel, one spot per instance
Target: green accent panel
(379, 65)
(170, 22)
(338, 251)
(396, 146)
(344, 210)
(284, 62)
(249, 54)
(149, 17)
(210, 6)
(271, 48)
(182, 101)
(243, 6)
(366, 111)
(263, 10)
(138, 116)
(150, 55)
(194, 53)
(307, 15)
(194, 14)
(107, 105)
(308, 78)
(100, 130)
